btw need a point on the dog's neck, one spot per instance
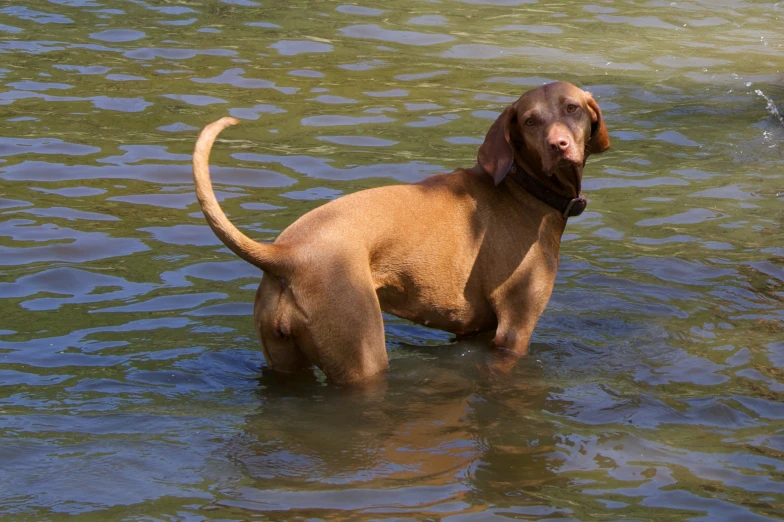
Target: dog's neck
(560, 190)
(565, 180)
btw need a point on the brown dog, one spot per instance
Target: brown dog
(465, 252)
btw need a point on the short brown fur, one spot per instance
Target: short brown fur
(465, 252)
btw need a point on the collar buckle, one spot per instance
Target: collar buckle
(575, 207)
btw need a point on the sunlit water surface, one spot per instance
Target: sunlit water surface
(130, 381)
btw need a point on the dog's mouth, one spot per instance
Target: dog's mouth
(567, 162)
(564, 163)
(568, 175)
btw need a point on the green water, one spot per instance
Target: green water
(130, 376)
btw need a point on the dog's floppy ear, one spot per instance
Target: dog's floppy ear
(496, 153)
(599, 140)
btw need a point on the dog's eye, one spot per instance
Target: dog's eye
(530, 122)
(571, 108)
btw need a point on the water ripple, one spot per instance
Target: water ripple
(653, 383)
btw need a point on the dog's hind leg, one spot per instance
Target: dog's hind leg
(334, 323)
(344, 331)
(274, 313)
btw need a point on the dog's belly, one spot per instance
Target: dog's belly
(453, 314)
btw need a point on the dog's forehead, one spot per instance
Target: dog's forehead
(550, 93)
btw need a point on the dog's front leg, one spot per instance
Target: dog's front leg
(518, 313)
(509, 344)
(513, 339)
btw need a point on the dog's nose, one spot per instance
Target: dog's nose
(558, 143)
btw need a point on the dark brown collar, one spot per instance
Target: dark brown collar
(568, 207)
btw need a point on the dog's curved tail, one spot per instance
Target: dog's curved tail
(265, 256)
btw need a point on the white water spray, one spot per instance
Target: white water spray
(772, 109)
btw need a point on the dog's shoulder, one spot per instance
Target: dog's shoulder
(458, 181)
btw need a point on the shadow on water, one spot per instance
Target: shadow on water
(442, 434)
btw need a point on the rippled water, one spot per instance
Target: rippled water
(129, 369)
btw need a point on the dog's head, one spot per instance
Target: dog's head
(551, 130)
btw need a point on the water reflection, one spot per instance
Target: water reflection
(440, 421)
